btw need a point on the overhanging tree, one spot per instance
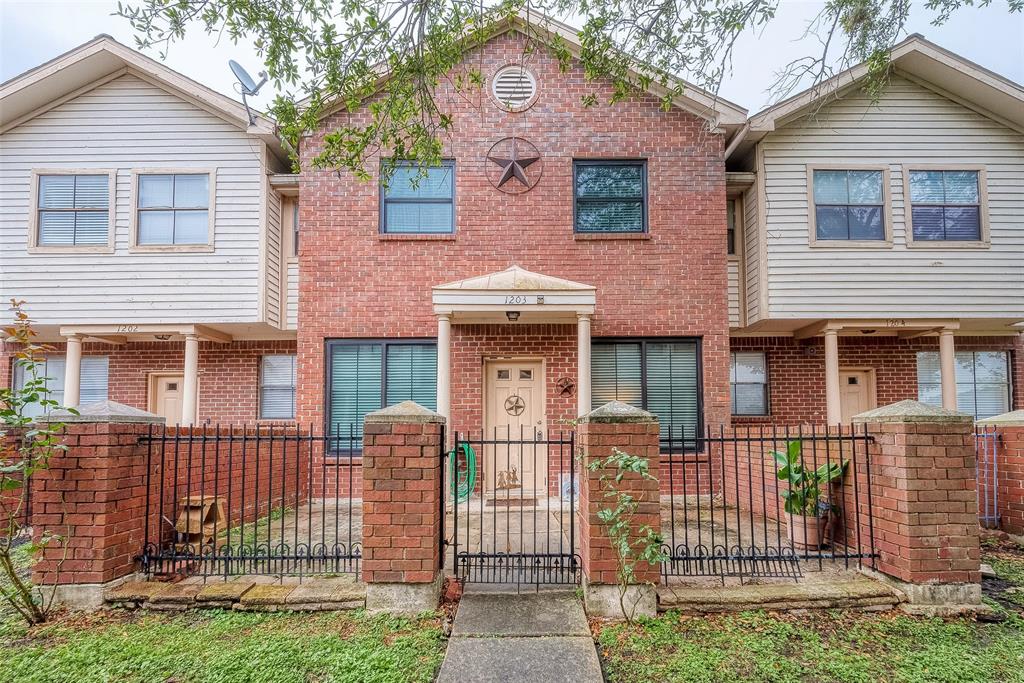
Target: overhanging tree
(324, 52)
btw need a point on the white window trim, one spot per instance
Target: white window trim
(812, 214)
(767, 385)
(34, 247)
(133, 221)
(295, 390)
(984, 243)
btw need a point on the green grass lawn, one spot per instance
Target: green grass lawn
(222, 646)
(814, 647)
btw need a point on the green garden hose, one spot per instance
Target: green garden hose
(463, 471)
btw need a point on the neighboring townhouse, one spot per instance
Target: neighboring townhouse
(878, 247)
(145, 228)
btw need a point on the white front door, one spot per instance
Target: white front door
(514, 410)
(165, 396)
(856, 394)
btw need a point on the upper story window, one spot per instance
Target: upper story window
(660, 376)
(849, 205)
(173, 209)
(982, 381)
(748, 383)
(73, 210)
(277, 387)
(610, 196)
(946, 206)
(417, 200)
(92, 384)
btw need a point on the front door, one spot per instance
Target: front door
(513, 410)
(165, 396)
(856, 393)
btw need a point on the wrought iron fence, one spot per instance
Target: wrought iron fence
(514, 520)
(986, 445)
(276, 500)
(765, 501)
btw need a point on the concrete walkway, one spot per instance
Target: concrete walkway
(540, 638)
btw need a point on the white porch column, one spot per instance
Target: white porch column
(73, 371)
(947, 368)
(444, 366)
(583, 364)
(190, 389)
(833, 399)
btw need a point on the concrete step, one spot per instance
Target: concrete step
(859, 593)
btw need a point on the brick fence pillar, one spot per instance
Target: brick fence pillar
(93, 496)
(1009, 451)
(925, 504)
(402, 467)
(633, 431)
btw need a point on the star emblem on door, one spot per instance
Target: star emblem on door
(516, 165)
(515, 405)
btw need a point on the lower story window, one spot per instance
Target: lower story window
(982, 381)
(660, 376)
(92, 385)
(364, 376)
(277, 387)
(748, 383)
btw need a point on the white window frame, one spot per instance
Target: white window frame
(133, 222)
(767, 384)
(294, 386)
(86, 359)
(983, 231)
(812, 214)
(34, 247)
(1009, 376)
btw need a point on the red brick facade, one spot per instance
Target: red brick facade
(401, 508)
(670, 282)
(1010, 452)
(229, 374)
(796, 370)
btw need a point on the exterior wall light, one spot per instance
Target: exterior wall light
(512, 316)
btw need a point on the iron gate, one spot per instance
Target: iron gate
(986, 445)
(276, 500)
(510, 507)
(724, 504)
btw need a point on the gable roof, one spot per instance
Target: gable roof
(718, 111)
(987, 92)
(39, 89)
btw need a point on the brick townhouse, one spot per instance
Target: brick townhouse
(823, 257)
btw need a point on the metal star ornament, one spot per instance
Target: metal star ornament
(513, 156)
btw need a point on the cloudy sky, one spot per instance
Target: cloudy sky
(33, 31)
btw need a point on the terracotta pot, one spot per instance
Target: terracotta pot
(806, 532)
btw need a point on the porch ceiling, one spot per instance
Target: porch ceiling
(514, 295)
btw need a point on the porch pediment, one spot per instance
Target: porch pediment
(534, 296)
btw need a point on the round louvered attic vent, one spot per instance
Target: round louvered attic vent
(514, 87)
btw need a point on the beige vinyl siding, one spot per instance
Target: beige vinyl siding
(273, 300)
(129, 124)
(292, 319)
(911, 125)
(734, 293)
(751, 253)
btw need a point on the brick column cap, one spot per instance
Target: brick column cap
(104, 411)
(1011, 419)
(912, 411)
(405, 412)
(617, 412)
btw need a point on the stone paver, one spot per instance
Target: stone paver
(848, 591)
(538, 638)
(134, 591)
(338, 592)
(228, 592)
(265, 596)
(545, 614)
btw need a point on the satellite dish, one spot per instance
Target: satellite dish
(249, 86)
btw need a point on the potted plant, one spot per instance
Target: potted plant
(806, 512)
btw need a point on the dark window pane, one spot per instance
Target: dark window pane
(866, 223)
(928, 223)
(610, 217)
(614, 181)
(615, 374)
(672, 387)
(832, 223)
(962, 222)
(412, 374)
